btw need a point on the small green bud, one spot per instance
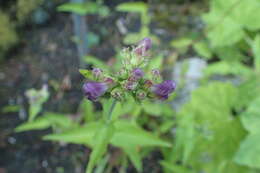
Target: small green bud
(118, 94)
(140, 94)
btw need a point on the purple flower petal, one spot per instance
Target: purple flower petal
(143, 46)
(137, 73)
(93, 90)
(163, 89)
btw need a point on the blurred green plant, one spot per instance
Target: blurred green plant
(140, 8)
(216, 128)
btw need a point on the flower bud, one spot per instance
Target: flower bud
(143, 46)
(148, 84)
(122, 74)
(130, 85)
(140, 94)
(93, 90)
(163, 89)
(118, 94)
(156, 75)
(97, 73)
(137, 74)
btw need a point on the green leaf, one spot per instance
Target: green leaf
(181, 44)
(86, 110)
(134, 155)
(79, 135)
(38, 124)
(246, 13)
(156, 63)
(201, 123)
(138, 7)
(229, 53)
(226, 68)
(256, 51)
(222, 30)
(202, 49)
(45, 121)
(96, 62)
(175, 168)
(80, 8)
(128, 134)
(11, 108)
(249, 151)
(251, 117)
(86, 73)
(102, 139)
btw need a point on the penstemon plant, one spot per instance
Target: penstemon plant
(130, 82)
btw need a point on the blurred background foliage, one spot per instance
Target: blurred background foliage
(210, 125)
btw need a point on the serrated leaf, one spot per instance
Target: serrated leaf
(251, 117)
(201, 123)
(249, 151)
(222, 31)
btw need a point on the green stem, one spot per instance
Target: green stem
(111, 110)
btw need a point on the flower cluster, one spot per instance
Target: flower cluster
(131, 79)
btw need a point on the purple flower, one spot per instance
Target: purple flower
(93, 90)
(163, 89)
(137, 74)
(143, 46)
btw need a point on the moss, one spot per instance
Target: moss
(8, 36)
(25, 8)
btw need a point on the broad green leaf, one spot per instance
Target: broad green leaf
(79, 135)
(101, 142)
(202, 49)
(251, 117)
(222, 31)
(246, 13)
(226, 68)
(249, 151)
(256, 50)
(229, 53)
(208, 135)
(128, 134)
(139, 7)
